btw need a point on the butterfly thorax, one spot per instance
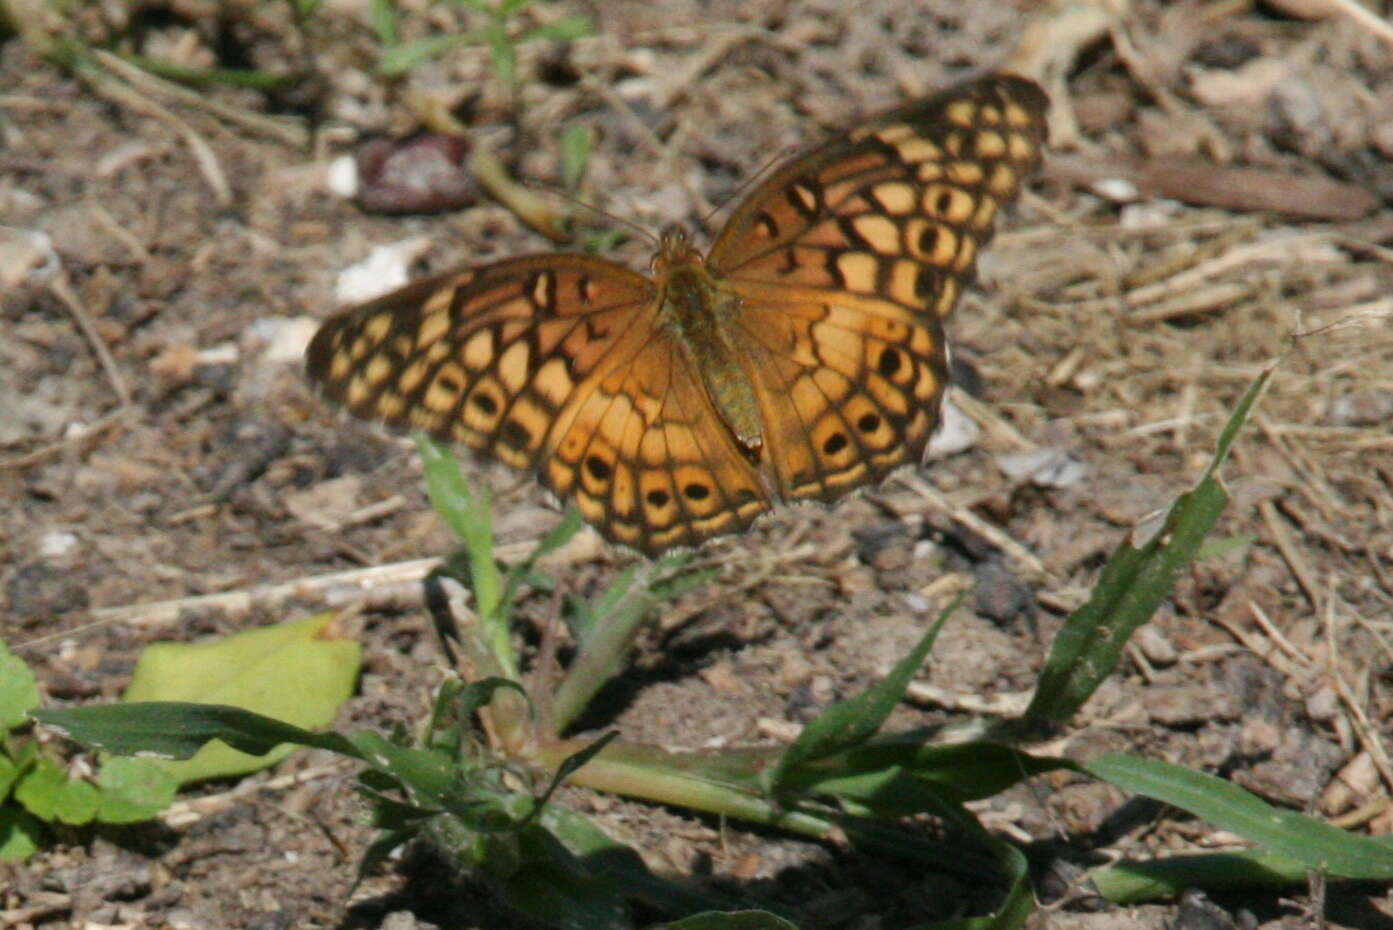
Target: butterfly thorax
(702, 313)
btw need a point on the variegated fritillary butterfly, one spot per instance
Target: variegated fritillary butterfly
(802, 358)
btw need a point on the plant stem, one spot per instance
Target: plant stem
(611, 773)
(601, 656)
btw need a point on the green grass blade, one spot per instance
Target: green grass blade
(603, 855)
(1164, 879)
(1314, 844)
(575, 156)
(467, 515)
(206, 77)
(566, 29)
(382, 17)
(399, 59)
(965, 772)
(615, 620)
(176, 730)
(1132, 586)
(850, 723)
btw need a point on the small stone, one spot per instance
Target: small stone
(999, 594)
(1046, 468)
(1183, 706)
(1323, 706)
(1153, 644)
(1361, 408)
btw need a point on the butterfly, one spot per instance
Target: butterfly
(802, 358)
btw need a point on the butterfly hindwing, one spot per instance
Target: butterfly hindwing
(647, 459)
(850, 386)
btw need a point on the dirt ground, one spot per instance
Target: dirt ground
(1217, 198)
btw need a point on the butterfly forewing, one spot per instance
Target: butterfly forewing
(899, 207)
(847, 259)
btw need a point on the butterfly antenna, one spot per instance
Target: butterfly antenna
(583, 209)
(738, 194)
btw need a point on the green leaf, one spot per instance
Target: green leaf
(382, 17)
(566, 29)
(611, 626)
(602, 241)
(586, 618)
(20, 834)
(575, 156)
(848, 724)
(478, 693)
(172, 730)
(1213, 548)
(297, 672)
(1159, 879)
(205, 77)
(1315, 844)
(133, 790)
(37, 788)
(1132, 586)
(76, 802)
(467, 515)
(554, 887)
(399, 59)
(570, 765)
(967, 771)
(426, 776)
(9, 774)
(379, 852)
(18, 693)
(603, 855)
(505, 55)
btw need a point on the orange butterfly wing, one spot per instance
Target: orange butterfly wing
(820, 304)
(847, 259)
(554, 363)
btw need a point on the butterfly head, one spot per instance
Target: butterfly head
(674, 248)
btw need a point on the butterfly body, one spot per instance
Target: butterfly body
(801, 358)
(703, 315)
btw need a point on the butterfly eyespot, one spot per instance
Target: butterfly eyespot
(928, 240)
(818, 365)
(835, 443)
(515, 434)
(890, 362)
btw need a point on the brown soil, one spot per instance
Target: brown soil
(1118, 334)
